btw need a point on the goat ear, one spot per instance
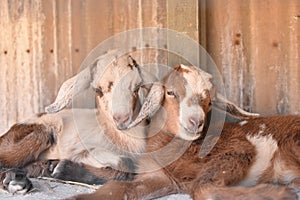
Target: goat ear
(223, 104)
(68, 89)
(151, 104)
(82, 81)
(142, 93)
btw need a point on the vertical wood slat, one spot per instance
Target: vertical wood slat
(20, 54)
(225, 43)
(293, 56)
(256, 47)
(182, 16)
(58, 36)
(49, 51)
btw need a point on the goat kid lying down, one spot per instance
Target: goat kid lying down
(259, 152)
(89, 137)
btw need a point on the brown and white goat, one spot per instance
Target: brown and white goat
(259, 152)
(92, 138)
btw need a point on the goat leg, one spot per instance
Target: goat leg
(16, 133)
(15, 181)
(261, 191)
(72, 171)
(145, 186)
(216, 177)
(227, 169)
(123, 172)
(23, 143)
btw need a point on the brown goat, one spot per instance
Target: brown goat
(247, 161)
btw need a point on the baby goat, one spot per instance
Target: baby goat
(258, 152)
(93, 138)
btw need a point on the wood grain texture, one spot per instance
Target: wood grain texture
(255, 45)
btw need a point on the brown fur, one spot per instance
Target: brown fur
(35, 137)
(173, 107)
(181, 70)
(225, 166)
(175, 79)
(262, 191)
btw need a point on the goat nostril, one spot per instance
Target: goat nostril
(195, 122)
(116, 118)
(125, 118)
(120, 119)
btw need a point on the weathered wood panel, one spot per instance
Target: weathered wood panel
(21, 61)
(256, 47)
(43, 43)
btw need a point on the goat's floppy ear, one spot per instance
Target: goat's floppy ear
(220, 102)
(143, 92)
(151, 104)
(82, 81)
(69, 88)
(148, 80)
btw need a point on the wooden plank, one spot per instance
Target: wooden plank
(227, 46)
(254, 43)
(63, 39)
(292, 54)
(270, 60)
(6, 69)
(21, 23)
(182, 17)
(49, 67)
(254, 53)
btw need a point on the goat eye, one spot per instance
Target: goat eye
(99, 91)
(171, 93)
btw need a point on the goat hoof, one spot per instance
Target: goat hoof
(15, 181)
(72, 171)
(67, 170)
(61, 169)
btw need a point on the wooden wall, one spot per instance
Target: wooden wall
(255, 44)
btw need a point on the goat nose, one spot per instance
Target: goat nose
(121, 119)
(196, 123)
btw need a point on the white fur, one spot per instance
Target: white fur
(200, 82)
(82, 132)
(185, 112)
(242, 123)
(266, 147)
